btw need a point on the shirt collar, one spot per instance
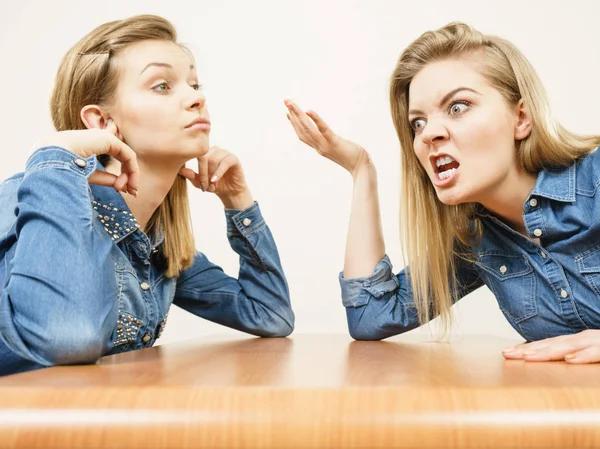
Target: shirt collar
(114, 214)
(558, 184)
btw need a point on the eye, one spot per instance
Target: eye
(418, 124)
(198, 87)
(458, 107)
(162, 87)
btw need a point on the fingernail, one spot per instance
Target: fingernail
(529, 353)
(203, 187)
(213, 179)
(570, 356)
(211, 187)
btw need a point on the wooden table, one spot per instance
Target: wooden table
(306, 391)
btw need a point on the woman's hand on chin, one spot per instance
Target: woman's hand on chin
(220, 172)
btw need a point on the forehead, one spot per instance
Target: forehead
(438, 78)
(135, 57)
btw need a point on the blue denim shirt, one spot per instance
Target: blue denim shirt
(543, 290)
(79, 279)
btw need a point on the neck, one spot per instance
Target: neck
(156, 179)
(507, 200)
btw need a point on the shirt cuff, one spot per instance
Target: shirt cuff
(357, 292)
(244, 222)
(57, 157)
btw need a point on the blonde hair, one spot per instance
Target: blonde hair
(435, 234)
(88, 75)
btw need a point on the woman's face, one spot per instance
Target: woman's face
(159, 108)
(465, 131)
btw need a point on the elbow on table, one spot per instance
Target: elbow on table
(73, 348)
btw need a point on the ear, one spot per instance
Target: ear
(93, 116)
(524, 122)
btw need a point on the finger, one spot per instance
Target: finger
(121, 152)
(102, 178)
(321, 125)
(306, 124)
(203, 171)
(300, 132)
(216, 156)
(224, 164)
(512, 355)
(516, 352)
(536, 345)
(191, 175)
(591, 354)
(121, 182)
(556, 351)
(305, 127)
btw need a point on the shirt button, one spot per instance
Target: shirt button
(563, 293)
(537, 232)
(80, 163)
(533, 202)
(144, 286)
(543, 255)
(246, 222)
(503, 269)
(146, 338)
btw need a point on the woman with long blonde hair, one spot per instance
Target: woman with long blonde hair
(95, 236)
(494, 192)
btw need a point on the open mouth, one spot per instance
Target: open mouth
(445, 167)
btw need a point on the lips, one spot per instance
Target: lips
(200, 123)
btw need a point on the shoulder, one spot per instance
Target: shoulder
(588, 173)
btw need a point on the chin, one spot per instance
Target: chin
(451, 198)
(194, 151)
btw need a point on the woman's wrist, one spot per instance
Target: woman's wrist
(363, 167)
(239, 201)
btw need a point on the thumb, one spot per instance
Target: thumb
(102, 178)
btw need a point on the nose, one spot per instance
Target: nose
(196, 100)
(434, 133)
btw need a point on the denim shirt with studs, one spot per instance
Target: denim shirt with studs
(544, 290)
(79, 279)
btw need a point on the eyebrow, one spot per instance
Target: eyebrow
(164, 65)
(444, 100)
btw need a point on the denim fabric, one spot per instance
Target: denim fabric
(79, 279)
(543, 290)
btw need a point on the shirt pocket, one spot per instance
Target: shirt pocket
(588, 263)
(512, 280)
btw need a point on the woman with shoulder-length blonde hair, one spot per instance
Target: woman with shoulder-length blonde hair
(494, 192)
(95, 236)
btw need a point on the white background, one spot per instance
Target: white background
(331, 56)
